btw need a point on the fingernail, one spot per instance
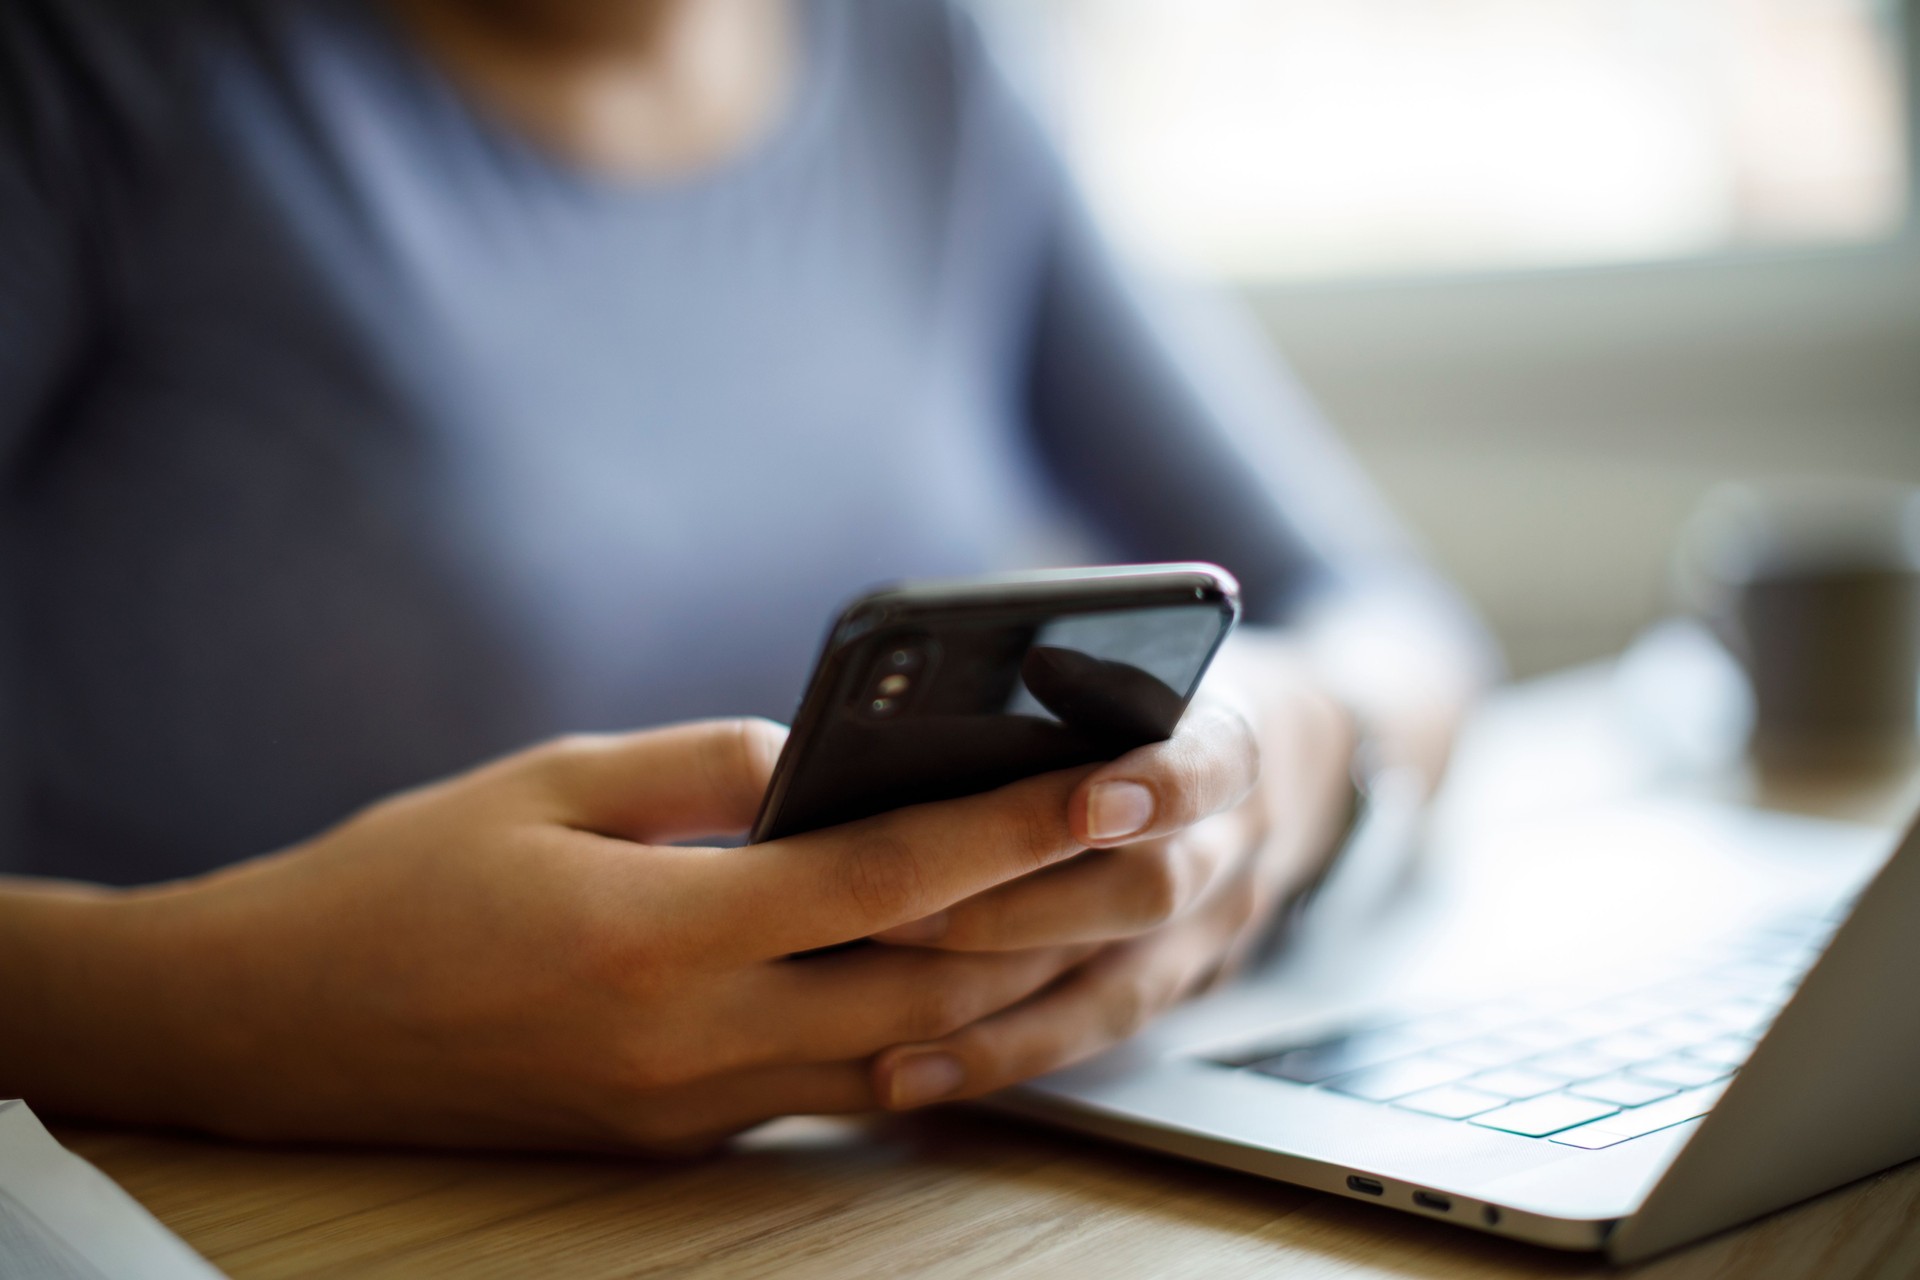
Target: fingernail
(1116, 810)
(926, 929)
(922, 1078)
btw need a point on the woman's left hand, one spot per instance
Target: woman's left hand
(1194, 844)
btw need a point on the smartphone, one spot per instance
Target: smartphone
(933, 690)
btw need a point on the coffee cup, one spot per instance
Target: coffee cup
(1814, 586)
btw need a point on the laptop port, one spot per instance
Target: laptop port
(1372, 1186)
(1428, 1200)
(1492, 1215)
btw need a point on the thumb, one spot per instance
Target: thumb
(702, 778)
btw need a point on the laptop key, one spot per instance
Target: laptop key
(1726, 1051)
(1575, 1064)
(1397, 1079)
(1746, 1018)
(1488, 1015)
(1313, 1063)
(1595, 1021)
(1439, 1028)
(1544, 1035)
(1764, 974)
(1516, 1082)
(1687, 993)
(1538, 1117)
(1623, 1090)
(1451, 1102)
(1680, 1072)
(1624, 1012)
(1488, 1051)
(1682, 1030)
(1635, 1046)
(1641, 1121)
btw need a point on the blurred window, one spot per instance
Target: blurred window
(1291, 138)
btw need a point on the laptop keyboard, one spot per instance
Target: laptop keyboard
(1586, 1067)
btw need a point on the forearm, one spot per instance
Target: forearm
(99, 1001)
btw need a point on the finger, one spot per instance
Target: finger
(703, 778)
(1093, 1008)
(694, 1118)
(834, 885)
(1211, 761)
(1101, 896)
(855, 1003)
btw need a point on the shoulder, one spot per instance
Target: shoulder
(930, 29)
(930, 46)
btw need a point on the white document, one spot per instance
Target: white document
(62, 1219)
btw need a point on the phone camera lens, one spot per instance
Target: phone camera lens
(898, 673)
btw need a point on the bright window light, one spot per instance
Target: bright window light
(1300, 138)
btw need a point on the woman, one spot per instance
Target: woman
(385, 384)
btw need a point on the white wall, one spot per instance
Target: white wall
(1547, 433)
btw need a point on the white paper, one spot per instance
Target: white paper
(62, 1219)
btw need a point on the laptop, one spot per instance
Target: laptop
(1616, 1030)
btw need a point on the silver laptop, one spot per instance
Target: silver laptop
(1619, 1030)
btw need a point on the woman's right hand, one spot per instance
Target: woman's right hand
(520, 956)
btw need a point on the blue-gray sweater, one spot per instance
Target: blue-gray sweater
(347, 437)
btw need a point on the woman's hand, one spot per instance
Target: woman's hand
(1194, 844)
(519, 957)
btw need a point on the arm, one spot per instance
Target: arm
(1176, 428)
(525, 955)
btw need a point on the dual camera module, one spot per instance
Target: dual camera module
(895, 674)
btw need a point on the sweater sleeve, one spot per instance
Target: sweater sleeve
(1169, 418)
(1173, 426)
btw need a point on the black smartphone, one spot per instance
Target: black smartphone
(933, 690)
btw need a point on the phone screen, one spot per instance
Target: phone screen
(1134, 666)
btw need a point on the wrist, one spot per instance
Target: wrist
(1407, 669)
(1315, 742)
(101, 992)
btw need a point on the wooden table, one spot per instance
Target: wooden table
(962, 1193)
